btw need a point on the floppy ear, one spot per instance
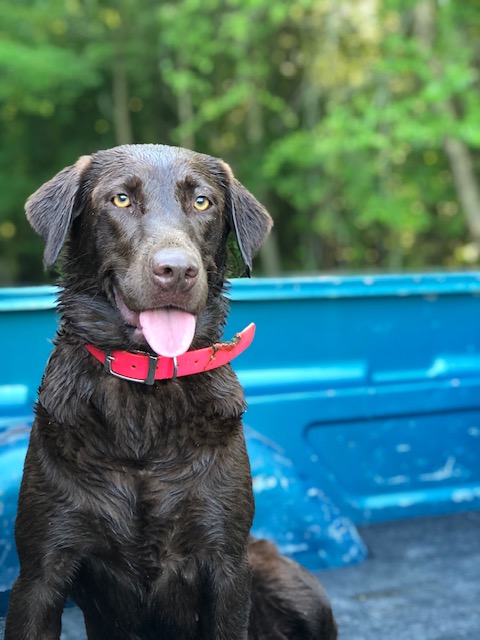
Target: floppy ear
(249, 220)
(50, 210)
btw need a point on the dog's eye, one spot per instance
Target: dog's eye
(202, 203)
(121, 200)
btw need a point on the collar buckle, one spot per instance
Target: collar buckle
(152, 367)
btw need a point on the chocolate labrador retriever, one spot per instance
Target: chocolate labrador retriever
(136, 499)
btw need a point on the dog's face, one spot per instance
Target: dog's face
(149, 225)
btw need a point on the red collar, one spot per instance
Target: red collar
(142, 367)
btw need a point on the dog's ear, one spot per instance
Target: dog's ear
(50, 210)
(250, 221)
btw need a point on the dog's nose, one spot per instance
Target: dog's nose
(175, 269)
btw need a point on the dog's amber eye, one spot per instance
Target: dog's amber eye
(202, 203)
(121, 200)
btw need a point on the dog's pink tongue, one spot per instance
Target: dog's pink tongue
(169, 332)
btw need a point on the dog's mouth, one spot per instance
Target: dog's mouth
(168, 331)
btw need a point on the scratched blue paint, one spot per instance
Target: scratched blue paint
(296, 513)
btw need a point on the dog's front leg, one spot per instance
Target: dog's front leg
(36, 606)
(230, 612)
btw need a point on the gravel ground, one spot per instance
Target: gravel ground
(421, 582)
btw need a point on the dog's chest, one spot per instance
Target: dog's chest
(154, 539)
(146, 548)
(131, 506)
(162, 488)
(150, 520)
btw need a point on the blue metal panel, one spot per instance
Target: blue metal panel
(27, 325)
(349, 372)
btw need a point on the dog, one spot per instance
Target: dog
(136, 499)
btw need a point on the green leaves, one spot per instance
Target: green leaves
(335, 114)
(32, 75)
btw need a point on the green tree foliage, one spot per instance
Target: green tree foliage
(355, 122)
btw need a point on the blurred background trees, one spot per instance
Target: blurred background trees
(357, 122)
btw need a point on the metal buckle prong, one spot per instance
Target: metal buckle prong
(175, 368)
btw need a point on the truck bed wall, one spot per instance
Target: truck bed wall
(363, 393)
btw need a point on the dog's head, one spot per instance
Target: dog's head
(148, 228)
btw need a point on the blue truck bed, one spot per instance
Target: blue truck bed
(364, 406)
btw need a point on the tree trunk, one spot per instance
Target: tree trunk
(121, 112)
(185, 116)
(269, 255)
(458, 154)
(466, 183)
